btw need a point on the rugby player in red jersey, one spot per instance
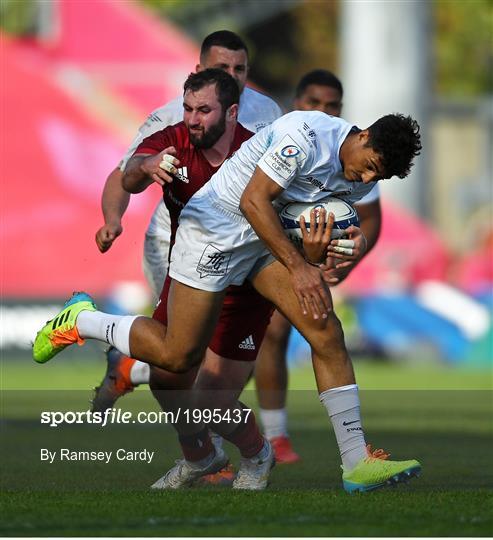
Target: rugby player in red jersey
(207, 136)
(227, 51)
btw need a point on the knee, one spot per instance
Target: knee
(181, 362)
(162, 379)
(329, 337)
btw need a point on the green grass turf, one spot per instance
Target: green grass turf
(298, 512)
(73, 370)
(448, 429)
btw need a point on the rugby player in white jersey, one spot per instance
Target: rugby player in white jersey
(230, 232)
(317, 90)
(227, 51)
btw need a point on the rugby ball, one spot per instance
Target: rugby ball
(344, 214)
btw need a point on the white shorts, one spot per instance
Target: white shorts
(155, 263)
(215, 247)
(156, 250)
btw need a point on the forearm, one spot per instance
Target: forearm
(370, 223)
(265, 221)
(114, 200)
(135, 179)
(307, 281)
(371, 232)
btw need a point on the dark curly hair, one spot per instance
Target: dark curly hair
(396, 139)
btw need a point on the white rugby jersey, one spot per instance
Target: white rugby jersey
(373, 196)
(255, 112)
(300, 152)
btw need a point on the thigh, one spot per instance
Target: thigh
(242, 324)
(192, 316)
(331, 362)
(273, 283)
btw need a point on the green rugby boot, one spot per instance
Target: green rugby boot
(60, 332)
(375, 471)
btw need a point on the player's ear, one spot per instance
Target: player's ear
(232, 112)
(364, 137)
(199, 67)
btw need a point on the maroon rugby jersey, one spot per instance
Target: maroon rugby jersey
(194, 169)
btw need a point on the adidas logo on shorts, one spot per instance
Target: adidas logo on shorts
(247, 343)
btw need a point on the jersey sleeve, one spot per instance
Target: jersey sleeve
(160, 118)
(257, 110)
(287, 153)
(157, 142)
(276, 110)
(372, 196)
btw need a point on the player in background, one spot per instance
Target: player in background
(223, 50)
(318, 90)
(230, 231)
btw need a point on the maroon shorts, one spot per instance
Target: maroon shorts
(242, 323)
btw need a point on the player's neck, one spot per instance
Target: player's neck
(220, 151)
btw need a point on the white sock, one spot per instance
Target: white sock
(343, 407)
(140, 373)
(275, 422)
(112, 329)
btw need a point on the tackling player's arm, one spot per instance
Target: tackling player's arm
(115, 199)
(114, 202)
(144, 169)
(306, 279)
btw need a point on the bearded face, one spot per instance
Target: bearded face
(206, 137)
(204, 116)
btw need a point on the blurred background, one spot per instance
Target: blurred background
(78, 77)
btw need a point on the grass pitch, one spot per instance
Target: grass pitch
(440, 416)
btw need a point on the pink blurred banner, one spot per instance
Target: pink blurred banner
(54, 161)
(58, 147)
(408, 251)
(142, 59)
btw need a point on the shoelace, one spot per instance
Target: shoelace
(60, 337)
(376, 454)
